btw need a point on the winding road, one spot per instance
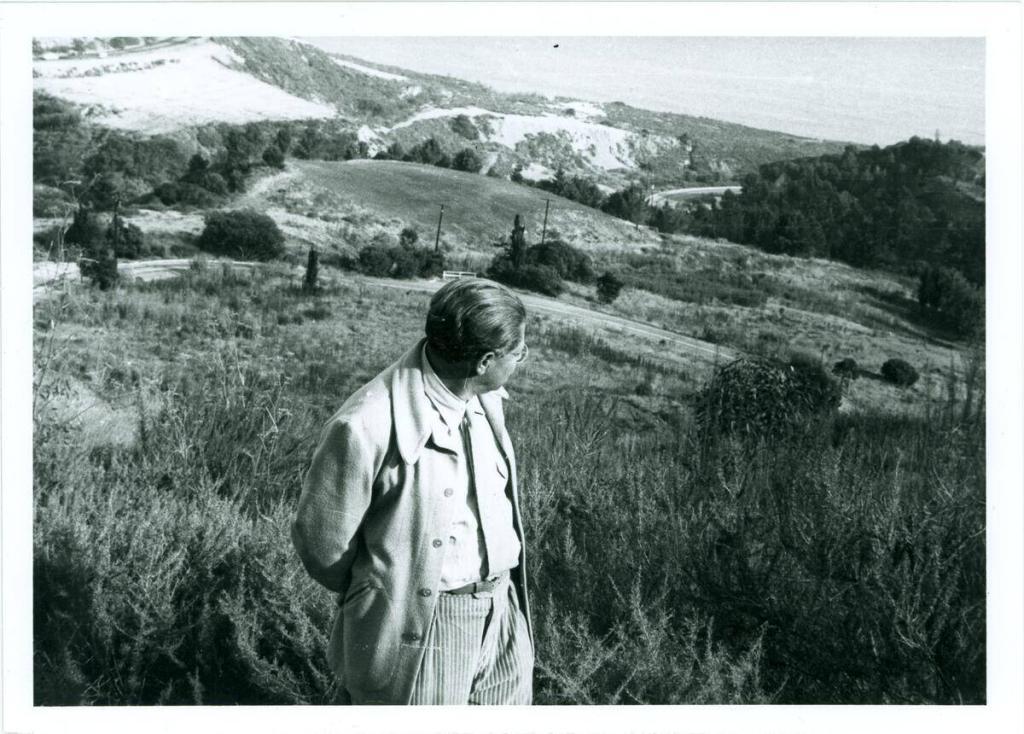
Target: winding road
(46, 275)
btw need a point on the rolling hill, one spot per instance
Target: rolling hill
(152, 86)
(478, 210)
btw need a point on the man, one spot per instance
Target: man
(410, 512)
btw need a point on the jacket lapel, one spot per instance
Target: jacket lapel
(410, 408)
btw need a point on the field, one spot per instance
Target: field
(173, 422)
(478, 210)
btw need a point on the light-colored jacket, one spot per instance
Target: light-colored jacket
(371, 522)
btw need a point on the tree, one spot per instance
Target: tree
(462, 125)
(244, 234)
(467, 160)
(124, 237)
(608, 287)
(273, 157)
(283, 140)
(408, 237)
(310, 282)
(517, 174)
(517, 243)
(629, 203)
(949, 300)
(429, 152)
(98, 261)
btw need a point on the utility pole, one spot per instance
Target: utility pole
(437, 237)
(544, 231)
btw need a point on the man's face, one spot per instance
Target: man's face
(499, 368)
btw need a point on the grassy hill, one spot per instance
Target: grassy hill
(149, 86)
(355, 201)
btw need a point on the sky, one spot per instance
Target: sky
(862, 90)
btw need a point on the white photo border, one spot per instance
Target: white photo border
(998, 23)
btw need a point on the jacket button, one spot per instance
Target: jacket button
(425, 592)
(449, 492)
(437, 543)
(411, 636)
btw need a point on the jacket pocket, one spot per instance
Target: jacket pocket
(370, 640)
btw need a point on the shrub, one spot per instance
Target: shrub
(948, 299)
(846, 368)
(429, 152)
(48, 201)
(310, 281)
(408, 237)
(129, 241)
(462, 125)
(467, 160)
(399, 262)
(758, 397)
(84, 229)
(189, 194)
(375, 261)
(899, 372)
(566, 260)
(538, 278)
(243, 234)
(608, 287)
(273, 157)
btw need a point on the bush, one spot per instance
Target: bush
(84, 229)
(759, 397)
(399, 262)
(846, 368)
(462, 125)
(467, 160)
(949, 300)
(538, 278)
(429, 152)
(566, 260)
(129, 238)
(608, 287)
(273, 157)
(243, 234)
(408, 237)
(899, 372)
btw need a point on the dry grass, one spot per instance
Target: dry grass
(842, 565)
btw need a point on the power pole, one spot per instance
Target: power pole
(437, 237)
(544, 231)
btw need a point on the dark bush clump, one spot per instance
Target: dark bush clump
(899, 372)
(846, 368)
(128, 242)
(400, 262)
(273, 157)
(244, 234)
(462, 125)
(949, 300)
(566, 260)
(608, 287)
(538, 278)
(762, 397)
(467, 160)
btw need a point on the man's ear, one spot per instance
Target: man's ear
(484, 363)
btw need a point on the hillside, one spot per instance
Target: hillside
(356, 200)
(150, 86)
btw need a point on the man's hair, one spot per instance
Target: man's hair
(469, 317)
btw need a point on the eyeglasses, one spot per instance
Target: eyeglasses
(521, 354)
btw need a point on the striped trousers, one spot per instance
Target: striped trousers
(478, 652)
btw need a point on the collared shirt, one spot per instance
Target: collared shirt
(481, 474)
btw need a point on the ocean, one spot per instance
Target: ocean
(862, 90)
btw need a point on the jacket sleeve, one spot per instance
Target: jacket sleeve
(335, 497)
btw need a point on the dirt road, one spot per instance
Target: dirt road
(46, 275)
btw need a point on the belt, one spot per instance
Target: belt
(479, 587)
